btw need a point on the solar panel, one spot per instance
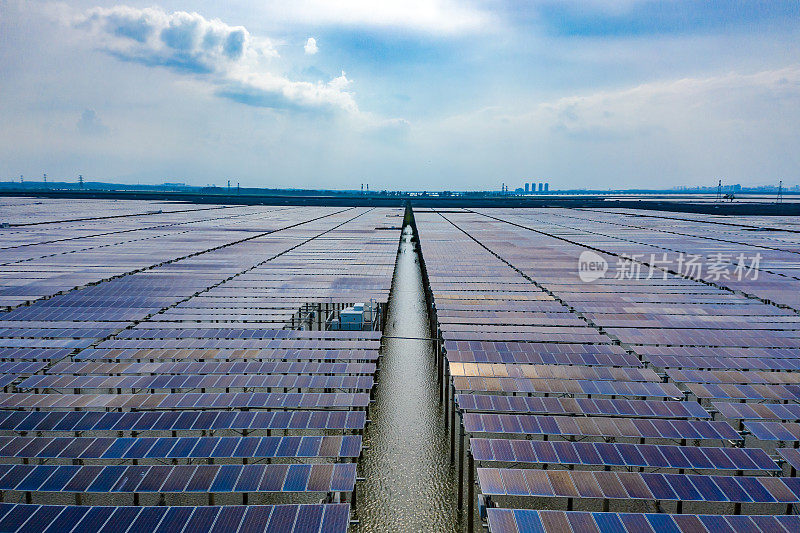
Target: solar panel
(184, 420)
(338, 477)
(758, 411)
(195, 381)
(733, 376)
(200, 368)
(774, 431)
(188, 400)
(543, 358)
(180, 447)
(209, 344)
(580, 406)
(525, 520)
(319, 353)
(622, 455)
(568, 386)
(599, 427)
(330, 518)
(592, 373)
(723, 363)
(222, 333)
(637, 486)
(744, 392)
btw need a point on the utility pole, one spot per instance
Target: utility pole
(237, 187)
(719, 191)
(780, 192)
(80, 180)
(229, 186)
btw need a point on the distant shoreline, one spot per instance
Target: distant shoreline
(654, 201)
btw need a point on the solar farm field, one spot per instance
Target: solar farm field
(593, 381)
(186, 368)
(169, 367)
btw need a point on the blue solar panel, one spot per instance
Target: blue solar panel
(338, 477)
(598, 426)
(332, 518)
(587, 406)
(634, 485)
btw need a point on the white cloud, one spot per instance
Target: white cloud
(311, 46)
(228, 57)
(430, 16)
(739, 126)
(267, 90)
(675, 104)
(680, 106)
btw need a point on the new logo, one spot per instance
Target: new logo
(591, 266)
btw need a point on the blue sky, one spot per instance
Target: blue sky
(407, 94)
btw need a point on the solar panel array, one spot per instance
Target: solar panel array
(164, 364)
(652, 398)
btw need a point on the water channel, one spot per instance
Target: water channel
(409, 484)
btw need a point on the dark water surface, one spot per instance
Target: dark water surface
(409, 484)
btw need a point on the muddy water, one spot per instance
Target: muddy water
(409, 484)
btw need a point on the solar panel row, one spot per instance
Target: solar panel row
(568, 386)
(499, 370)
(211, 354)
(199, 381)
(524, 521)
(580, 406)
(187, 400)
(757, 411)
(595, 426)
(637, 486)
(78, 421)
(219, 324)
(621, 455)
(488, 267)
(312, 518)
(340, 477)
(179, 447)
(243, 367)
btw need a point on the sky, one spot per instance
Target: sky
(402, 94)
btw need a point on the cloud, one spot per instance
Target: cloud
(265, 90)
(90, 124)
(311, 46)
(679, 106)
(732, 97)
(429, 16)
(228, 57)
(688, 130)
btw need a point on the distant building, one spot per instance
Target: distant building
(546, 187)
(541, 186)
(526, 188)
